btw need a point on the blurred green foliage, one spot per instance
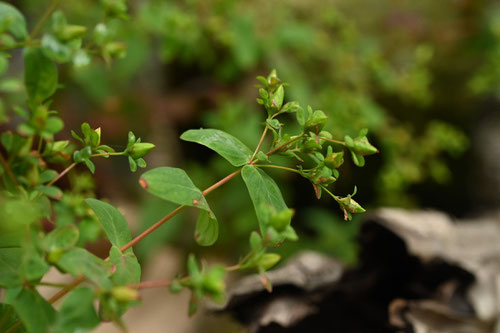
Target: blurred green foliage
(414, 73)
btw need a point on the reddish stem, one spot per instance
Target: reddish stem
(137, 239)
(59, 176)
(63, 292)
(152, 228)
(221, 182)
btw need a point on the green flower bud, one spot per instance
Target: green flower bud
(360, 145)
(268, 260)
(309, 145)
(140, 149)
(255, 241)
(350, 205)
(363, 147)
(114, 50)
(124, 294)
(316, 122)
(70, 32)
(323, 176)
(281, 220)
(175, 287)
(115, 7)
(213, 282)
(54, 256)
(334, 160)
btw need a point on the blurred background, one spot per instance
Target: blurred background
(423, 77)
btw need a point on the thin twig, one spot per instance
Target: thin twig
(152, 228)
(260, 143)
(59, 176)
(7, 169)
(63, 292)
(44, 19)
(333, 141)
(14, 327)
(276, 167)
(282, 145)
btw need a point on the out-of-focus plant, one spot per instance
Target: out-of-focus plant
(43, 226)
(350, 67)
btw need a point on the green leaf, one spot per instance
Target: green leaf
(90, 165)
(9, 318)
(34, 311)
(9, 266)
(268, 260)
(132, 163)
(40, 75)
(127, 268)
(114, 224)
(61, 238)
(265, 194)
(33, 266)
(226, 145)
(47, 175)
(77, 312)
(11, 20)
(174, 185)
(192, 267)
(53, 192)
(278, 96)
(207, 229)
(79, 261)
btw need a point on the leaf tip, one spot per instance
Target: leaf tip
(144, 184)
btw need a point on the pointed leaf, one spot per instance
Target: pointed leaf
(265, 194)
(114, 224)
(9, 266)
(226, 145)
(79, 261)
(127, 268)
(174, 185)
(61, 238)
(77, 313)
(40, 75)
(34, 311)
(207, 229)
(12, 20)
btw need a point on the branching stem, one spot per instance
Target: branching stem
(260, 143)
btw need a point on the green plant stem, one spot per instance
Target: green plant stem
(122, 153)
(332, 140)
(327, 191)
(44, 19)
(7, 169)
(259, 144)
(233, 268)
(276, 167)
